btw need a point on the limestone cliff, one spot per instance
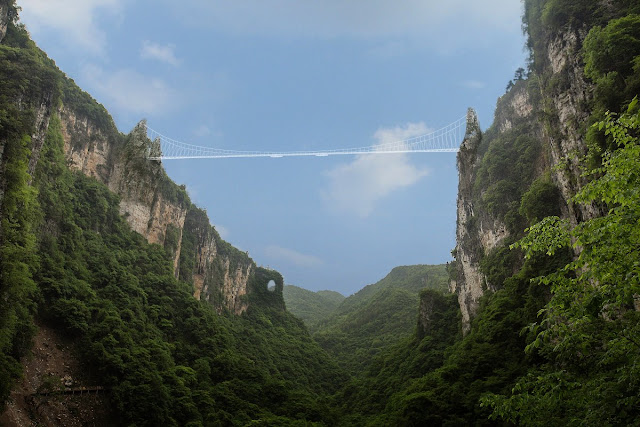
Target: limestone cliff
(483, 224)
(220, 273)
(551, 108)
(567, 96)
(151, 202)
(470, 283)
(160, 210)
(4, 20)
(121, 166)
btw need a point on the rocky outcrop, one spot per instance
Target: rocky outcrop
(88, 149)
(518, 106)
(470, 283)
(477, 231)
(4, 20)
(559, 94)
(97, 154)
(235, 286)
(41, 124)
(220, 273)
(219, 277)
(568, 93)
(206, 253)
(159, 210)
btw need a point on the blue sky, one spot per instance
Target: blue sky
(299, 75)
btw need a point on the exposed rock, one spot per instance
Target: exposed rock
(565, 96)
(41, 124)
(4, 20)
(220, 278)
(569, 101)
(477, 232)
(91, 152)
(234, 287)
(87, 148)
(471, 283)
(519, 106)
(148, 211)
(205, 256)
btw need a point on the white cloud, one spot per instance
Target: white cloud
(278, 253)
(129, 91)
(202, 131)
(158, 52)
(474, 84)
(356, 187)
(359, 18)
(75, 20)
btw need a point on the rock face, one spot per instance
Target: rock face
(560, 90)
(565, 141)
(477, 231)
(138, 182)
(88, 148)
(41, 124)
(221, 273)
(234, 286)
(4, 20)
(162, 216)
(152, 204)
(470, 283)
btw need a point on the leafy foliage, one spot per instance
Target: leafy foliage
(167, 357)
(18, 256)
(311, 307)
(378, 316)
(69, 258)
(589, 328)
(612, 61)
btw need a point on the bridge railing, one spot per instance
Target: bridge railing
(446, 139)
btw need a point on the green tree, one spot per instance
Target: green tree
(589, 329)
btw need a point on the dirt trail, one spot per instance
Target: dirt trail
(53, 365)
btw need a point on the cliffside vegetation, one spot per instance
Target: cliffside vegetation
(588, 334)
(554, 341)
(311, 307)
(554, 190)
(69, 260)
(375, 318)
(165, 357)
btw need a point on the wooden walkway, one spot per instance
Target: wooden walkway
(75, 390)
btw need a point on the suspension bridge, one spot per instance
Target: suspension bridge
(444, 140)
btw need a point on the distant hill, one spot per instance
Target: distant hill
(378, 316)
(310, 306)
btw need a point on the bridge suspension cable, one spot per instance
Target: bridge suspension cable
(444, 140)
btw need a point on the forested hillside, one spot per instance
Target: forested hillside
(310, 306)
(177, 327)
(547, 244)
(378, 316)
(69, 260)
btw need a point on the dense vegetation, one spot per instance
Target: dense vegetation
(311, 307)
(378, 316)
(555, 341)
(68, 259)
(589, 334)
(577, 318)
